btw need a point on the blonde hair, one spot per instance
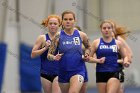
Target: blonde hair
(117, 30)
(110, 22)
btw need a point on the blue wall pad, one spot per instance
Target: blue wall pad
(29, 71)
(3, 49)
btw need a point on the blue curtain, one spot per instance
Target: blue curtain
(3, 48)
(29, 71)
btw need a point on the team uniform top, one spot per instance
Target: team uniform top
(71, 47)
(49, 67)
(110, 52)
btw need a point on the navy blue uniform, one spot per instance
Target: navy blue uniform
(71, 62)
(110, 67)
(49, 69)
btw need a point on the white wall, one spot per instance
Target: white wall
(32, 13)
(125, 12)
(2, 19)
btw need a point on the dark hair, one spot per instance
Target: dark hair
(68, 12)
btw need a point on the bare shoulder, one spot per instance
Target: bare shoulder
(121, 39)
(96, 42)
(41, 40)
(82, 33)
(42, 37)
(119, 43)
